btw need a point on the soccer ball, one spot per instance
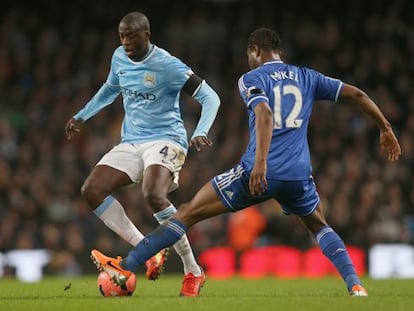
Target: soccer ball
(108, 289)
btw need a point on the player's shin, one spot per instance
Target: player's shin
(162, 237)
(334, 248)
(182, 246)
(113, 215)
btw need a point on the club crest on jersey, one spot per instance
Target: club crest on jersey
(149, 79)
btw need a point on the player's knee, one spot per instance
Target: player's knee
(155, 200)
(93, 194)
(316, 226)
(86, 190)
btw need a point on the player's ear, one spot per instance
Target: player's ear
(254, 49)
(257, 51)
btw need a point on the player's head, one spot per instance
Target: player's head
(134, 34)
(262, 44)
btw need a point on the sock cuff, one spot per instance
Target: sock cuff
(177, 226)
(322, 232)
(104, 205)
(165, 214)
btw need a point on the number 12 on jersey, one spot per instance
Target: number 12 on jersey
(291, 121)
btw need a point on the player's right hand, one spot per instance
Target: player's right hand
(72, 126)
(258, 181)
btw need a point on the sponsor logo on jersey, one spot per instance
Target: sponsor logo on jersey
(138, 95)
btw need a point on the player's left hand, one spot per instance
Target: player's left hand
(199, 141)
(389, 145)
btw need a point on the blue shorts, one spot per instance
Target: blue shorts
(298, 197)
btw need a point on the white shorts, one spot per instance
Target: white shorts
(133, 159)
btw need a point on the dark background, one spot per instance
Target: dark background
(54, 57)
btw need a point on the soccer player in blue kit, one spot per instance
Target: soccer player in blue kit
(276, 164)
(154, 141)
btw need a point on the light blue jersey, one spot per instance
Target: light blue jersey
(150, 90)
(290, 92)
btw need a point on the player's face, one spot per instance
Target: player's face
(134, 41)
(253, 58)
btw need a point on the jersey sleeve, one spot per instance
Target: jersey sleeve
(178, 73)
(113, 78)
(210, 102)
(251, 90)
(326, 88)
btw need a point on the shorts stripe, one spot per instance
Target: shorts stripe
(230, 177)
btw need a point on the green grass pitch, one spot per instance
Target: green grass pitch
(232, 294)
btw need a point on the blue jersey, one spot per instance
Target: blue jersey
(150, 90)
(290, 92)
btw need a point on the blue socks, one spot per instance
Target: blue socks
(334, 248)
(164, 236)
(172, 230)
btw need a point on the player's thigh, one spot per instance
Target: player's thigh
(205, 204)
(105, 179)
(162, 162)
(157, 180)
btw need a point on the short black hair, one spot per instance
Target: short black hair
(137, 20)
(265, 38)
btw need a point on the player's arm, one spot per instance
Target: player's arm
(388, 141)
(104, 97)
(210, 102)
(264, 131)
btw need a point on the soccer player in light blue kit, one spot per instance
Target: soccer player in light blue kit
(276, 165)
(154, 141)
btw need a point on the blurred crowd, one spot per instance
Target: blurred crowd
(54, 58)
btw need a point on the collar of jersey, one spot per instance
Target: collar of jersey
(150, 50)
(274, 62)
